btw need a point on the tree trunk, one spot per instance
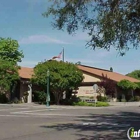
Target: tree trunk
(57, 96)
(132, 92)
(57, 103)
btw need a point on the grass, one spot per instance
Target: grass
(98, 104)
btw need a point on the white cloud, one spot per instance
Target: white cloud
(41, 39)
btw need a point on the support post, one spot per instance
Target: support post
(30, 93)
(63, 54)
(48, 89)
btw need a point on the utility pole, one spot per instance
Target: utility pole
(48, 89)
(63, 54)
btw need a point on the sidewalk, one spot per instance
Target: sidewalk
(112, 105)
(35, 105)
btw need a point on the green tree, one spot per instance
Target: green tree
(63, 76)
(78, 63)
(108, 85)
(9, 50)
(111, 69)
(8, 76)
(109, 23)
(127, 85)
(9, 57)
(134, 74)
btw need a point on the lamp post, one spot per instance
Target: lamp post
(48, 89)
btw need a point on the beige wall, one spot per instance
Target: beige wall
(89, 78)
(87, 90)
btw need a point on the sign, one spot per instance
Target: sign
(95, 87)
(89, 91)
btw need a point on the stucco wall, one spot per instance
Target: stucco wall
(87, 90)
(89, 78)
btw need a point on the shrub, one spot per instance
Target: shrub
(25, 97)
(98, 104)
(101, 98)
(66, 102)
(3, 98)
(15, 101)
(137, 98)
(40, 96)
(83, 104)
(123, 100)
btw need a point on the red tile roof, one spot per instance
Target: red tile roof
(100, 72)
(27, 73)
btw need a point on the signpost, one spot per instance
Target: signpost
(48, 90)
(95, 87)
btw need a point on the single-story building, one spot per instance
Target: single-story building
(91, 75)
(95, 75)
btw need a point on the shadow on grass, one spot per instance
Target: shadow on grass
(101, 126)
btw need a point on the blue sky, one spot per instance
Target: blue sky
(22, 20)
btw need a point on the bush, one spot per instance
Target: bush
(73, 99)
(25, 97)
(40, 96)
(98, 104)
(137, 98)
(16, 101)
(131, 99)
(123, 100)
(83, 104)
(3, 98)
(66, 102)
(101, 98)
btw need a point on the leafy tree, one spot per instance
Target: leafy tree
(9, 50)
(8, 75)
(9, 56)
(78, 63)
(126, 85)
(109, 23)
(108, 85)
(135, 74)
(63, 76)
(111, 69)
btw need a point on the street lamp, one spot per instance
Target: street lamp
(48, 89)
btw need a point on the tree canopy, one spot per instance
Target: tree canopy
(8, 76)
(108, 85)
(134, 74)
(9, 50)
(63, 76)
(9, 56)
(109, 23)
(126, 85)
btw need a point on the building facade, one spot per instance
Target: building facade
(91, 75)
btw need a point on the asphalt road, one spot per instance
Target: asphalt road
(29, 122)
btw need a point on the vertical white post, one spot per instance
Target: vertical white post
(30, 93)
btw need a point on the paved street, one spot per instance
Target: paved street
(37, 122)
